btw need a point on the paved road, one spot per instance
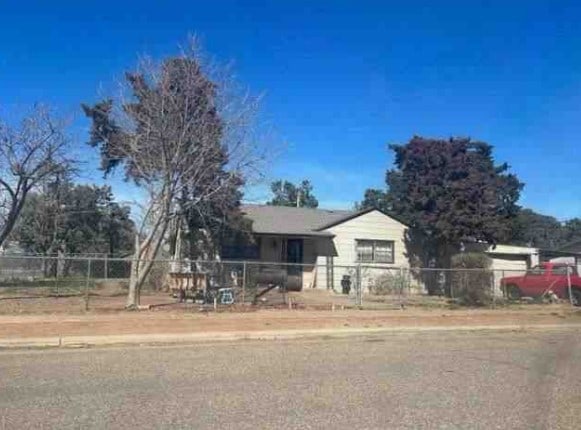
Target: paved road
(422, 381)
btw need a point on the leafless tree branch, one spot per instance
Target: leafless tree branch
(30, 153)
(181, 127)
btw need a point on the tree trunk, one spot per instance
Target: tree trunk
(8, 226)
(132, 299)
(432, 262)
(142, 263)
(445, 262)
(18, 199)
(60, 264)
(132, 294)
(139, 270)
(44, 268)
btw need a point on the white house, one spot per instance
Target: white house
(330, 244)
(327, 243)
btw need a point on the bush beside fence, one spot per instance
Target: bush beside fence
(471, 280)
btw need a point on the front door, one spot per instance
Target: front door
(294, 254)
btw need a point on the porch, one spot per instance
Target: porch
(298, 255)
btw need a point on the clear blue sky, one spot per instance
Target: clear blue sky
(342, 78)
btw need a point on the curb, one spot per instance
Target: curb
(189, 338)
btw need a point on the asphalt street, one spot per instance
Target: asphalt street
(516, 380)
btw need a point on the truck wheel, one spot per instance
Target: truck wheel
(576, 293)
(513, 292)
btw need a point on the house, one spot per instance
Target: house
(328, 244)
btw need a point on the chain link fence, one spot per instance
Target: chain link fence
(52, 284)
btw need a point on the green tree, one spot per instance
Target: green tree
(286, 193)
(530, 228)
(375, 198)
(451, 191)
(214, 223)
(74, 219)
(572, 230)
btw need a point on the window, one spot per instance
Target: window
(536, 271)
(562, 270)
(374, 251)
(241, 251)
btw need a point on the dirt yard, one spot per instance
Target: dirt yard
(111, 299)
(73, 303)
(37, 315)
(165, 322)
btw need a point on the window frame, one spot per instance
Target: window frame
(374, 242)
(562, 270)
(537, 270)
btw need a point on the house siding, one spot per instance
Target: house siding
(507, 265)
(372, 226)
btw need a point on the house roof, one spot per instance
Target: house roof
(500, 248)
(297, 221)
(291, 221)
(354, 214)
(511, 249)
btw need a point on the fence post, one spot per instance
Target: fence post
(56, 277)
(359, 294)
(244, 282)
(401, 287)
(449, 279)
(87, 285)
(493, 286)
(569, 285)
(106, 265)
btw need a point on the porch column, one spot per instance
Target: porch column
(330, 274)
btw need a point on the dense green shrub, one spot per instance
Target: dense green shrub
(472, 280)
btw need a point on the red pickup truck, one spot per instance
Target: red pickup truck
(545, 278)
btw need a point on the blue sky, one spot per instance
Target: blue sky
(342, 79)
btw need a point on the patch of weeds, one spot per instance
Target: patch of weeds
(374, 340)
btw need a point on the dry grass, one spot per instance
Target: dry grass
(108, 296)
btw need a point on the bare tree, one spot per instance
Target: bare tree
(181, 132)
(30, 153)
